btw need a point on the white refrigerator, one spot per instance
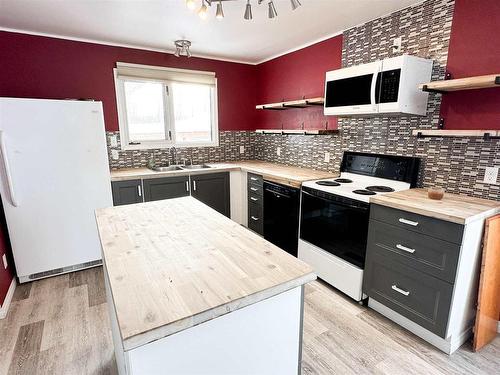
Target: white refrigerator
(54, 174)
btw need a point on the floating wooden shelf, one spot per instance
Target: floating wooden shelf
(298, 131)
(486, 134)
(469, 83)
(302, 103)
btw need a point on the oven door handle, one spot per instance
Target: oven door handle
(337, 203)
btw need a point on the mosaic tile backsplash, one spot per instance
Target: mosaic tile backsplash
(228, 150)
(458, 164)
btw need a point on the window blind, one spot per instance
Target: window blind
(131, 71)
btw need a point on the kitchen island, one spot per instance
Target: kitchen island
(192, 292)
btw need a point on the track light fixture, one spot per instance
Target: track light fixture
(202, 12)
(295, 4)
(182, 48)
(272, 10)
(219, 14)
(248, 11)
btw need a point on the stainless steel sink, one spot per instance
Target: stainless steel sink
(167, 169)
(196, 166)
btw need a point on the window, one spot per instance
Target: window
(159, 107)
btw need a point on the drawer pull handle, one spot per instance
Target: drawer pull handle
(254, 218)
(404, 248)
(254, 179)
(399, 290)
(254, 199)
(409, 222)
(253, 189)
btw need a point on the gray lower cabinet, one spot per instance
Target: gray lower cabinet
(411, 265)
(255, 185)
(126, 192)
(166, 188)
(213, 190)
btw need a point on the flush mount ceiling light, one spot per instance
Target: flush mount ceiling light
(182, 48)
(219, 14)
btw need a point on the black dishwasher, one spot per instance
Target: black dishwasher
(281, 216)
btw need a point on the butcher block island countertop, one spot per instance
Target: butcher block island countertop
(280, 173)
(174, 264)
(455, 208)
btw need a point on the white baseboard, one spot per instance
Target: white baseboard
(6, 303)
(498, 327)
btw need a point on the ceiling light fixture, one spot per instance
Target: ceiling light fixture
(248, 11)
(182, 48)
(295, 4)
(220, 12)
(272, 10)
(202, 12)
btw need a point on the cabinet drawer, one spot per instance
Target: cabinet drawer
(424, 253)
(445, 230)
(419, 297)
(256, 218)
(255, 190)
(255, 179)
(255, 199)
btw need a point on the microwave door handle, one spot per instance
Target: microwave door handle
(378, 69)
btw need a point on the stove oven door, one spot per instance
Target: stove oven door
(335, 224)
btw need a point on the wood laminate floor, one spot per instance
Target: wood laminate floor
(60, 325)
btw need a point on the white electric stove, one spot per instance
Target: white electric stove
(335, 215)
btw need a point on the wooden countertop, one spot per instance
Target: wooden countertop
(455, 208)
(176, 263)
(284, 174)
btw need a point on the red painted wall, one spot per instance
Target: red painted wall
(474, 50)
(41, 67)
(292, 76)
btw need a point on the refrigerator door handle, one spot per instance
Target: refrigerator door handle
(6, 166)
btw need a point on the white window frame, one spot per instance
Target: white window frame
(168, 113)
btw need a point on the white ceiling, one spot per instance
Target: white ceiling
(155, 24)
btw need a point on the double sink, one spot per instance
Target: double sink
(179, 167)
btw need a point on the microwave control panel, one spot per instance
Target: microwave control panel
(387, 86)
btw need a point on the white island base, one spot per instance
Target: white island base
(262, 338)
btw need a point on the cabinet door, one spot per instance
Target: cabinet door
(213, 190)
(126, 192)
(166, 188)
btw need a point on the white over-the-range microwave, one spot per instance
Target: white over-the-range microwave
(388, 86)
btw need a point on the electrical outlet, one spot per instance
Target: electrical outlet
(327, 157)
(491, 175)
(396, 44)
(4, 258)
(242, 149)
(278, 151)
(115, 155)
(113, 141)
